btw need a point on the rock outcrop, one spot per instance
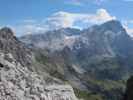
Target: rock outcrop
(9, 43)
(17, 82)
(129, 89)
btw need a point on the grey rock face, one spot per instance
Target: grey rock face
(17, 82)
(53, 40)
(10, 44)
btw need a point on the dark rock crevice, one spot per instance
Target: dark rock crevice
(129, 89)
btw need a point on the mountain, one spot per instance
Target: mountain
(95, 61)
(107, 38)
(108, 41)
(18, 81)
(56, 39)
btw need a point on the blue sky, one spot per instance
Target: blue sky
(31, 16)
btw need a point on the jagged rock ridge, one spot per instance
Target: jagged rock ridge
(10, 44)
(17, 82)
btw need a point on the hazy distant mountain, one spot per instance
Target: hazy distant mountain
(109, 38)
(95, 61)
(56, 39)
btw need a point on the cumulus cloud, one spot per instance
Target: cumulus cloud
(30, 27)
(66, 19)
(63, 19)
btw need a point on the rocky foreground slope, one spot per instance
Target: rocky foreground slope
(17, 82)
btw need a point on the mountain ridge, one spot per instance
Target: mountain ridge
(18, 81)
(9, 43)
(95, 61)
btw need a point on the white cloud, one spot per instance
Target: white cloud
(66, 19)
(101, 16)
(99, 2)
(128, 0)
(63, 20)
(29, 21)
(84, 2)
(130, 31)
(74, 2)
(30, 27)
(126, 24)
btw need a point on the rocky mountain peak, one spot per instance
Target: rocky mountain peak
(116, 22)
(6, 32)
(112, 28)
(113, 25)
(10, 44)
